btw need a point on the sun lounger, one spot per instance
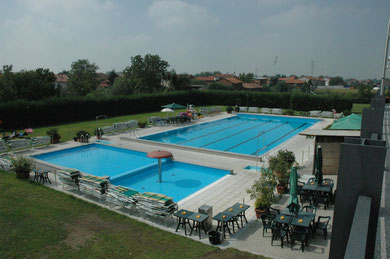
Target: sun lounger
(69, 177)
(3, 146)
(5, 163)
(253, 109)
(121, 196)
(119, 126)
(131, 124)
(327, 114)
(243, 109)
(276, 111)
(265, 110)
(108, 130)
(94, 185)
(155, 204)
(41, 141)
(18, 144)
(315, 113)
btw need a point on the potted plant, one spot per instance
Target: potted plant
(280, 165)
(83, 136)
(262, 191)
(22, 167)
(54, 135)
(142, 124)
(99, 133)
(229, 109)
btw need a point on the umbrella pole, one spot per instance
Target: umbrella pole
(159, 171)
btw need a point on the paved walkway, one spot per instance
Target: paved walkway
(230, 190)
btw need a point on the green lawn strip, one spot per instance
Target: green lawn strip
(358, 107)
(68, 131)
(36, 221)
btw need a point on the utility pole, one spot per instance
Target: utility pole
(382, 92)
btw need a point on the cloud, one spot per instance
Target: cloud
(177, 15)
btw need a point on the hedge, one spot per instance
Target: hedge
(21, 114)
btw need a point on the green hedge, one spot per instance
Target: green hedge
(21, 114)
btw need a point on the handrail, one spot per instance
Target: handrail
(358, 236)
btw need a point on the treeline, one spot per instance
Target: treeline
(56, 110)
(144, 75)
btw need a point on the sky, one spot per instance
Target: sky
(333, 37)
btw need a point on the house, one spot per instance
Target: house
(206, 79)
(103, 80)
(231, 81)
(261, 80)
(219, 76)
(252, 86)
(291, 81)
(61, 81)
(313, 81)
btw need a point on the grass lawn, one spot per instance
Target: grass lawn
(69, 130)
(358, 107)
(36, 221)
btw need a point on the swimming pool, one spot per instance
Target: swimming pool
(244, 134)
(135, 170)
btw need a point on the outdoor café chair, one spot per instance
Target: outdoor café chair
(311, 180)
(279, 232)
(306, 196)
(322, 224)
(273, 211)
(322, 198)
(309, 208)
(328, 181)
(300, 236)
(267, 220)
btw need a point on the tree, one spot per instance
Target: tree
(246, 78)
(274, 80)
(27, 84)
(365, 91)
(123, 86)
(178, 82)
(146, 73)
(338, 80)
(82, 77)
(112, 75)
(207, 73)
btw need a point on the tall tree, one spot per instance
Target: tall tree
(337, 80)
(27, 84)
(178, 82)
(146, 73)
(112, 75)
(246, 78)
(82, 77)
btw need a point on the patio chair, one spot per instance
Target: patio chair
(243, 109)
(267, 220)
(306, 196)
(322, 224)
(311, 180)
(279, 232)
(300, 236)
(309, 208)
(315, 113)
(327, 114)
(322, 198)
(273, 211)
(119, 126)
(328, 181)
(253, 109)
(108, 130)
(19, 144)
(276, 111)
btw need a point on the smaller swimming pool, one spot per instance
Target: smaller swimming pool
(135, 170)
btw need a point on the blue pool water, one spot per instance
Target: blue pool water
(243, 134)
(135, 170)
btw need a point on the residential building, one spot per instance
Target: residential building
(61, 81)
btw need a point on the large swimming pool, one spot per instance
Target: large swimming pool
(135, 170)
(243, 134)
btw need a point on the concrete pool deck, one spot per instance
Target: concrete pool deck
(230, 190)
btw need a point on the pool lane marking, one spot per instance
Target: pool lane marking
(215, 141)
(257, 152)
(262, 133)
(235, 125)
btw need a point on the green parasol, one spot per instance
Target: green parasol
(173, 106)
(293, 201)
(318, 165)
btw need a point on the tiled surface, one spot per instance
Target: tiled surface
(230, 190)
